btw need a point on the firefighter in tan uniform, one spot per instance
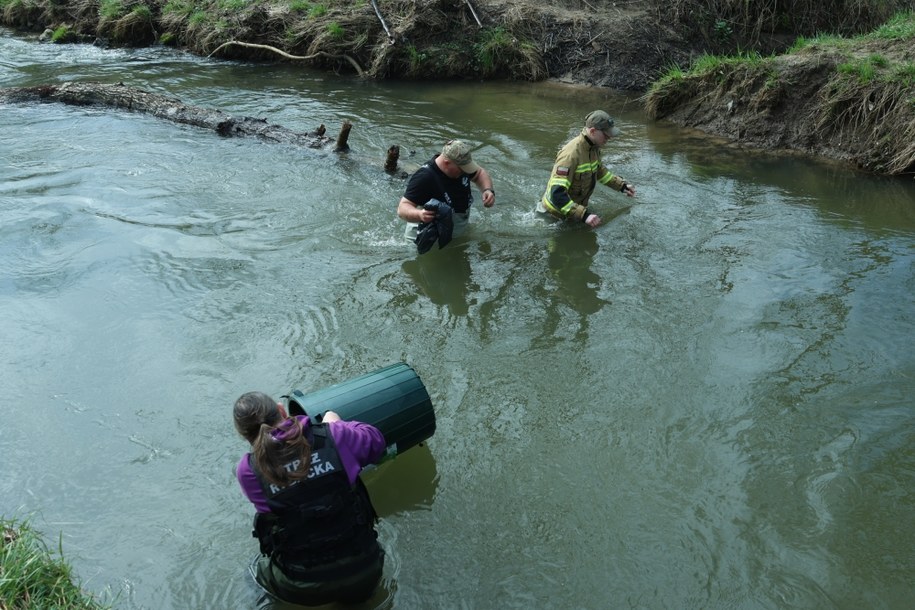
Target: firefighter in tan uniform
(578, 169)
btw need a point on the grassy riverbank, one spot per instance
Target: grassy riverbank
(32, 577)
(847, 98)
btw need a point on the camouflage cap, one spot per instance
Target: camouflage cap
(458, 152)
(602, 121)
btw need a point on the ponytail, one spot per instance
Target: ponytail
(282, 453)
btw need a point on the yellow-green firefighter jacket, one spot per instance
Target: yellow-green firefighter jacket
(577, 170)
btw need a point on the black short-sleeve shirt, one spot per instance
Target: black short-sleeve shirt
(429, 182)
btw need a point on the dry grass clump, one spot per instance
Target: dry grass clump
(878, 114)
(24, 14)
(133, 28)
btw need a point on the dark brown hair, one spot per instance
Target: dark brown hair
(275, 443)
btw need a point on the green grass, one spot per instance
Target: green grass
(233, 5)
(60, 34)
(492, 43)
(874, 67)
(900, 27)
(878, 61)
(197, 18)
(822, 40)
(416, 58)
(903, 74)
(31, 576)
(773, 79)
(674, 72)
(142, 11)
(182, 8)
(111, 9)
(335, 30)
(864, 71)
(709, 63)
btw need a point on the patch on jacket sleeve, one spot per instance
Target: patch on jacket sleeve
(562, 171)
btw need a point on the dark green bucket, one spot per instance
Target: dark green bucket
(393, 399)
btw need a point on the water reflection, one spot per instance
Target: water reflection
(836, 188)
(571, 287)
(571, 254)
(406, 483)
(444, 275)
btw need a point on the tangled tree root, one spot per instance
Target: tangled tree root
(282, 53)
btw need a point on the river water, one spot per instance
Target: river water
(707, 402)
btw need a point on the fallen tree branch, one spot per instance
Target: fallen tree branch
(267, 47)
(137, 100)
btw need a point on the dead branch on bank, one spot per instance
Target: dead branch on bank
(383, 24)
(473, 12)
(172, 109)
(266, 47)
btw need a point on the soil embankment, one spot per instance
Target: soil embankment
(794, 101)
(847, 99)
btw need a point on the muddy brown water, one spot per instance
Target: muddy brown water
(707, 402)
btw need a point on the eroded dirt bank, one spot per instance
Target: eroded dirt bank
(850, 100)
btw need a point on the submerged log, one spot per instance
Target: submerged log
(169, 108)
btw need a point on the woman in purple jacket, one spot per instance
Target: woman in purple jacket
(314, 521)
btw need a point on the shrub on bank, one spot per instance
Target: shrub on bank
(32, 577)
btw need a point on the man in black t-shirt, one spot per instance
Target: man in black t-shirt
(446, 177)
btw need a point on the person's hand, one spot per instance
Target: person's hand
(489, 198)
(628, 189)
(330, 416)
(425, 215)
(592, 220)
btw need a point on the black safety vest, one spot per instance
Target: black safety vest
(320, 528)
